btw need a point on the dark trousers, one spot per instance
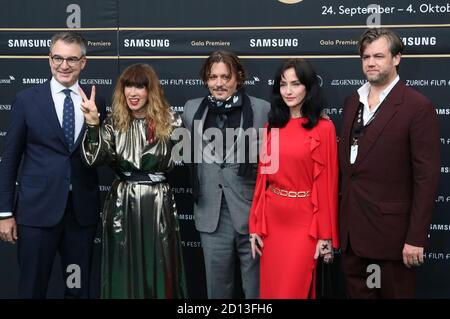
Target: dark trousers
(37, 248)
(396, 280)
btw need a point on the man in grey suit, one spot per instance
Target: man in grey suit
(223, 179)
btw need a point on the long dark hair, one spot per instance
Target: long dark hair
(313, 103)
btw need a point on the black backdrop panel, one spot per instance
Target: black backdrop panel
(175, 36)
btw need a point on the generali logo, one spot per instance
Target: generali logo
(290, 1)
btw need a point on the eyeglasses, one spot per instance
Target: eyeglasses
(71, 61)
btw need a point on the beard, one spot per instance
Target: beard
(378, 79)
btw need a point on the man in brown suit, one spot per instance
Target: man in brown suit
(390, 162)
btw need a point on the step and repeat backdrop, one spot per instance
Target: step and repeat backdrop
(175, 36)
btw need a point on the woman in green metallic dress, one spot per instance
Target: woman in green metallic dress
(141, 252)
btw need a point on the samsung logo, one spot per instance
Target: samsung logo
(33, 81)
(445, 169)
(443, 111)
(146, 43)
(177, 108)
(29, 43)
(96, 81)
(185, 217)
(273, 43)
(5, 107)
(427, 41)
(439, 227)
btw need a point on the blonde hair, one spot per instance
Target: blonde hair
(158, 110)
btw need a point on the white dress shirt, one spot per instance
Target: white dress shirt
(364, 91)
(58, 98)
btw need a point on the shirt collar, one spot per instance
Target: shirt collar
(57, 87)
(364, 90)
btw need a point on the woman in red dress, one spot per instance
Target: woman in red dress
(293, 219)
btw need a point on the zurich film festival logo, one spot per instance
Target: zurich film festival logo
(181, 82)
(442, 198)
(191, 244)
(181, 190)
(333, 110)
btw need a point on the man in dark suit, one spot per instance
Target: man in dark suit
(57, 206)
(223, 185)
(390, 163)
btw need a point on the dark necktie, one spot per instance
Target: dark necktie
(68, 123)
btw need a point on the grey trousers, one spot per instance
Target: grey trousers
(220, 250)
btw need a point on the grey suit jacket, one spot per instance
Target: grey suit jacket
(217, 178)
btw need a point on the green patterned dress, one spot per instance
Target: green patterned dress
(141, 247)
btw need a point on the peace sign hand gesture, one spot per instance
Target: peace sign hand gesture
(89, 108)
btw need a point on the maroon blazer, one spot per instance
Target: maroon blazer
(389, 192)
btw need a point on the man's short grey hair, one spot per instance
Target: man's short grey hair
(70, 37)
